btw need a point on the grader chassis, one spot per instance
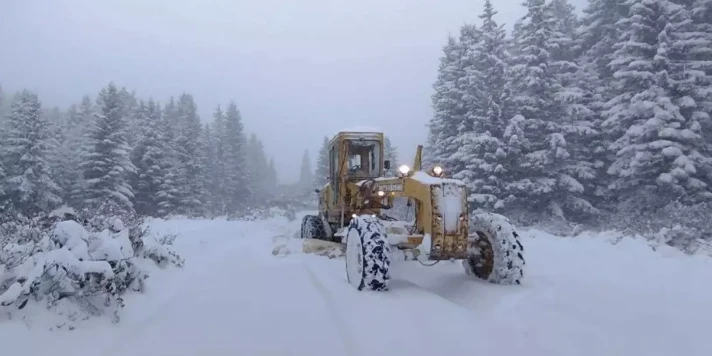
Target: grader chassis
(352, 206)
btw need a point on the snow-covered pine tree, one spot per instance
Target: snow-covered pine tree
(129, 105)
(218, 131)
(598, 32)
(65, 160)
(481, 147)
(258, 167)
(147, 157)
(700, 67)
(658, 148)
(463, 122)
(447, 107)
(191, 156)
(29, 183)
(56, 121)
(306, 175)
(574, 94)
(107, 165)
(78, 147)
(537, 180)
(321, 172)
(4, 200)
(3, 196)
(168, 195)
(238, 192)
(390, 153)
(213, 199)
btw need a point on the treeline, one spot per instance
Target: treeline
(124, 154)
(601, 120)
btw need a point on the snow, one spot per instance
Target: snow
(594, 294)
(450, 199)
(425, 178)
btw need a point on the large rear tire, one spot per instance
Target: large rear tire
(313, 228)
(367, 254)
(495, 253)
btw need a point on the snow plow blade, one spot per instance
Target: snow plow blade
(323, 248)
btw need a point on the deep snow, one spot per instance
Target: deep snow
(580, 296)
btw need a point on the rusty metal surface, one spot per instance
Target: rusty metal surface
(448, 244)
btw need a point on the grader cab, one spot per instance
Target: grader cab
(353, 212)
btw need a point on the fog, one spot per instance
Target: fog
(298, 70)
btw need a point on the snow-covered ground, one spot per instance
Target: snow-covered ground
(581, 296)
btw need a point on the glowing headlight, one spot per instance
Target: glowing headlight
(437, 170)
(381, 193)
(404, 169)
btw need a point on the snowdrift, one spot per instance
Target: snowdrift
(75, 269)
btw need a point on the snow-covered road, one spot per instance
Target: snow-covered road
(581, 296)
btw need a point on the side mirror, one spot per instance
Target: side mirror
(387, 164)
(316, 190)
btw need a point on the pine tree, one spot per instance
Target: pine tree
(391, 154)
(698, 80)
(481, 146)
(599, 31)
(258, 169)
(29, 183)
(190, 154)
(447, 107)
(78, 146)
(658, 138)
(321, 172)
(129, 105)
(237, 176)
(169, 193)
(4, 107)
(306, 178)
(64, 158)
(3, 194)
(219, 172)
(107, 165)
(539, 181)
(578, 123)
(464, 120)
(147, 157)
(214, 199)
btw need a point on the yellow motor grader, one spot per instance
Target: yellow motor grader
(353, 211)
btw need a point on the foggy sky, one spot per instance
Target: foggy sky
(297, 69)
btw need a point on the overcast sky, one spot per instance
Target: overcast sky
(297, 69)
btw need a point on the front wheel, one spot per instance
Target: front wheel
(367, 254)
(312, 228)
(494, 251)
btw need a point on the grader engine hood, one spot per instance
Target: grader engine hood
(449, 217)
(441, 208)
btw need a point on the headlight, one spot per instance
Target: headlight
(381, 193)
(404, 169)
(437, 170)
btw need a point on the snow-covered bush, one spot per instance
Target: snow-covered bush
(92, 262)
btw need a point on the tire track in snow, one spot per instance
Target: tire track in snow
(351, 347)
